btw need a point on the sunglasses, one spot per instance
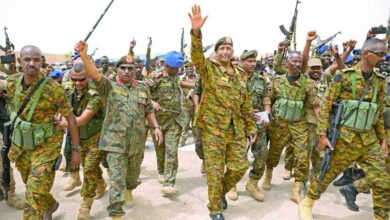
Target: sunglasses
(378, 53)
(80, 80)
(124, 68)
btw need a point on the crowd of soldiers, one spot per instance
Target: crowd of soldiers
(104, 113)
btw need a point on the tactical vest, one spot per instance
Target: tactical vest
(359, 115)
(93, 126)
(290, 110)
(26, 134)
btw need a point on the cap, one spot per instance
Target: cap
(127, 59)
(248, 54)
(55, 73)
(314, 62)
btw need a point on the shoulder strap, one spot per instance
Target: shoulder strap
(284, 88)
(35, 99)
(302, 81)
(375, 90)
(28, 97)
(353, 81)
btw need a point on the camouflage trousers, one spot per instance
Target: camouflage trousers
(371, 160)
(38, 175)
(91, 157)
(260, 153)
(198, 142)
(166, 152)
(190, 116)
(363, 185)
(314, 153)
(295, 134)
(228, 148)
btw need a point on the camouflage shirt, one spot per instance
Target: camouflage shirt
(52, 101)
(341, 89)
(188, 104)
(225, 97)
(257, 86)
(167, 92)
(109, 73)
(126, 110)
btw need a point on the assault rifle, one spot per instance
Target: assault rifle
(332, 134)
(291, 32)
(323, 42)
(182, 43)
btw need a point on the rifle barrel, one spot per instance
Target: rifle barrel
(98, 21)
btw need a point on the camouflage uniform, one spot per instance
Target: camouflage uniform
(225, 118)
(123, 136)
(188, 109)
(352, 145)
(167, 92)
(36, 166)
(283, 132)
(257, 87)
(314, 154)
(90, 153)
(197, 132)
(109, 73)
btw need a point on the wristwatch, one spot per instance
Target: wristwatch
(76, 148)
(156, 126)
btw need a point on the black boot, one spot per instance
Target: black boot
(357, 174)
(218, 216)
(224, 202)
(349, 192)
(345, 179)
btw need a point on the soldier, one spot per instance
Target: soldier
(291, 95)
(257, 86)
(190, 77)
(12, 199)
(124, 127)
(37, 158)
(359, 139)
(224, 116)
(351, 190)
(88, 107)
(139, 66)
(167, 96)
(105, 68)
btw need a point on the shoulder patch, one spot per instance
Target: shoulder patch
(92, 92)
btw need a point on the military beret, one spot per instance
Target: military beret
(127, 59)
(357, 52)
(223, 41)
(55, 73)
(314, 62)
(248, 54)
(387, 57)
(174, 59)
(349, 59)
(322, 49)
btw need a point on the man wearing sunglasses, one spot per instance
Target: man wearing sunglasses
(362, 139)
(88, 107)
(124, 130)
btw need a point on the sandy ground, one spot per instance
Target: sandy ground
(191, 201)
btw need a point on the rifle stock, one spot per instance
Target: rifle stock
(6, 175)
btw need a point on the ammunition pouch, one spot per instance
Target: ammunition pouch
(29, 136)
(91, 128)
(288, 110)
(359, 116)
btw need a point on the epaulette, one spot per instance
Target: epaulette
(379, 74)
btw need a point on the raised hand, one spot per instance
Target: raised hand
(196, 19)
(311, 35)
(81, 47)
(133, 43)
